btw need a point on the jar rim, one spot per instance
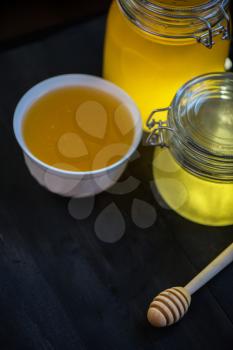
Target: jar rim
(178, 23)
(189, 8)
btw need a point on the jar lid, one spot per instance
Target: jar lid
(199, 127)
(204, 113)
(186, 20)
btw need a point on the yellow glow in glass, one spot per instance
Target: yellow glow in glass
(194, 172)
(150, 68)
(205, 202)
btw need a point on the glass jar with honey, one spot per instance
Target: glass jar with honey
(154, 47)
(193, 160)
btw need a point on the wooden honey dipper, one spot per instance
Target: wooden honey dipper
(172, 304)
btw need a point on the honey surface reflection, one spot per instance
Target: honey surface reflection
(78, 129)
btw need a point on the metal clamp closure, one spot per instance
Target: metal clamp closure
(206, 39)
(227, 30)
(158, 128)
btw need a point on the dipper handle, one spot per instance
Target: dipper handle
(216, 266)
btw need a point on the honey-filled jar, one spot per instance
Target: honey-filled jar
(153, 47)
(193, 159)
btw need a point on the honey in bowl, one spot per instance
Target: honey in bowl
(78, 129)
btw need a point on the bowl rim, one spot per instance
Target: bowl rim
(67, 80)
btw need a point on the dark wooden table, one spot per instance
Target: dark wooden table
(62, 286)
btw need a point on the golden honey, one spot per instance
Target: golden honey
(78, 129)
(194, 172)
(204, 202)
(151, 68)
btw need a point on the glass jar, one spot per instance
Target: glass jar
(193, 161)
(153, 47)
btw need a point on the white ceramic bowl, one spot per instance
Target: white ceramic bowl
(71, 183)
